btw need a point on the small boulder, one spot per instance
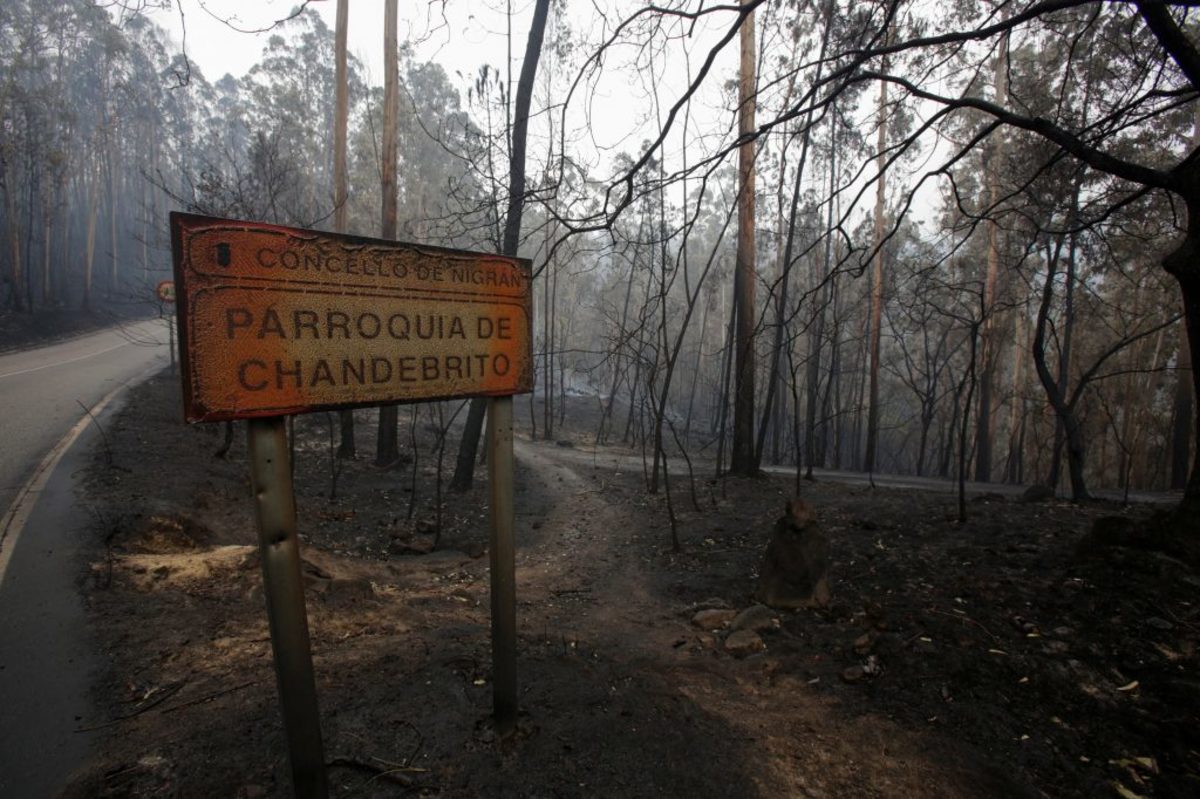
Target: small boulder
(713, 618)
(853, 674)
(743, 643)
(1038, 493)
(864, 643)
(756, 618)
(711, 602)
(349, 590)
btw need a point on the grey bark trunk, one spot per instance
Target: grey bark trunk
(387, 443)
(742, 454)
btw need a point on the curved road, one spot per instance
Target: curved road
(703, 467)
(45, 657)
(41, 391)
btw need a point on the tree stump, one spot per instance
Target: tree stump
(795, 570)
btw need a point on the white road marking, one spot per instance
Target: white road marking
(64, 363)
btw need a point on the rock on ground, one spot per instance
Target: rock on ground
(744, 642)
(713, 618)
(756, 618)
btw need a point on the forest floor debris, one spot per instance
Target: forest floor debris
(985, 659)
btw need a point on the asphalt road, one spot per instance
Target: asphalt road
(703, 468)
(42, 391)
(46, 660)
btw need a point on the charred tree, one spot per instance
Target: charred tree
(464, 468)
(340, 189)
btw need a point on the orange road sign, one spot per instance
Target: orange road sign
(165, 290)
(276, 320)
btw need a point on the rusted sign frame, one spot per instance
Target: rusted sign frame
(198, 280)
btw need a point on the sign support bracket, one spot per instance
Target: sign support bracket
(275, 509)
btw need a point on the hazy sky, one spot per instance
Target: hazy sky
(613, 111)
(452, 33)
(461, 35)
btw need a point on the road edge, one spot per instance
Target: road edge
(12, 523)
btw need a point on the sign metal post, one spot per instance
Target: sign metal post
(275, 510)
(165, 291)
(503, 563)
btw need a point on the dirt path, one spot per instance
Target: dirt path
(618, 593)
(581, 566)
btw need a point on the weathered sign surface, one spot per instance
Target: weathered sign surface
(276, 320)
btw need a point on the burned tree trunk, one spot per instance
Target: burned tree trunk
(464, 467)
(340, 192)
